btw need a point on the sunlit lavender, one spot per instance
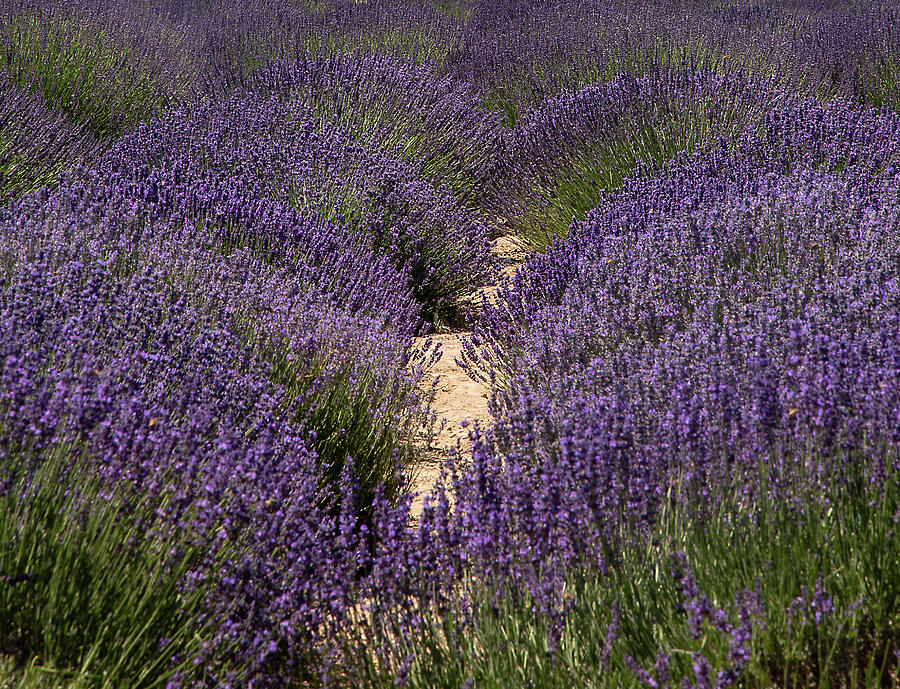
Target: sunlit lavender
(234, 236)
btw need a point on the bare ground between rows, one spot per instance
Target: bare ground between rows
(458, 399)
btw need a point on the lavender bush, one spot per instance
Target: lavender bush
(239, 37)
(520, 54)
(36, 145)
(560, 156)
(283, 152)
(207, 386)
(106, 65)
(782, 596)
(92, 580)
(794, 289)
(207, 376)
(421, 32)
(410, 111)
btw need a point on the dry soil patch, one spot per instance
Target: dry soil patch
(458, 398)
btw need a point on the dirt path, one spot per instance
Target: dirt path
(458, 399)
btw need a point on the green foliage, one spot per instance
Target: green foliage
(353, 414)
(23, 165)
(849, 539)
(581, 176)
(575, 190)
(92, 583)
(881, 83)
(96, 77)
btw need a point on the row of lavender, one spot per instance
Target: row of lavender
(718, 339)
(733, 307)
(215, 319)
(229, 353)
(108, 65)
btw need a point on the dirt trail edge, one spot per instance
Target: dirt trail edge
(458, 398)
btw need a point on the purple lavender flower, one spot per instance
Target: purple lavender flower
(253, 157)
(171, 367)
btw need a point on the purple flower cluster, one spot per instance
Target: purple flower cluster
(411, 111)
(561, 154)
(36, 144)
(139, 332)
(254, 149)
(810, 609)
(105, 65)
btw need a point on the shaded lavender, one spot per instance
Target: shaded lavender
(36, 144)
(810, 607)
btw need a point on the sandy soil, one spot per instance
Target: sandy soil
(459, 398)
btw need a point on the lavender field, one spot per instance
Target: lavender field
(237, 237)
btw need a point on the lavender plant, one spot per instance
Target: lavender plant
(421, 32)
(92, 582)
(204, 377)
(36, 145)
(520, 54)
(778, 252)
(561, 156)
(242, 37)
(105, 66)
(282, 152)
(770, 596)
(409, 111)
